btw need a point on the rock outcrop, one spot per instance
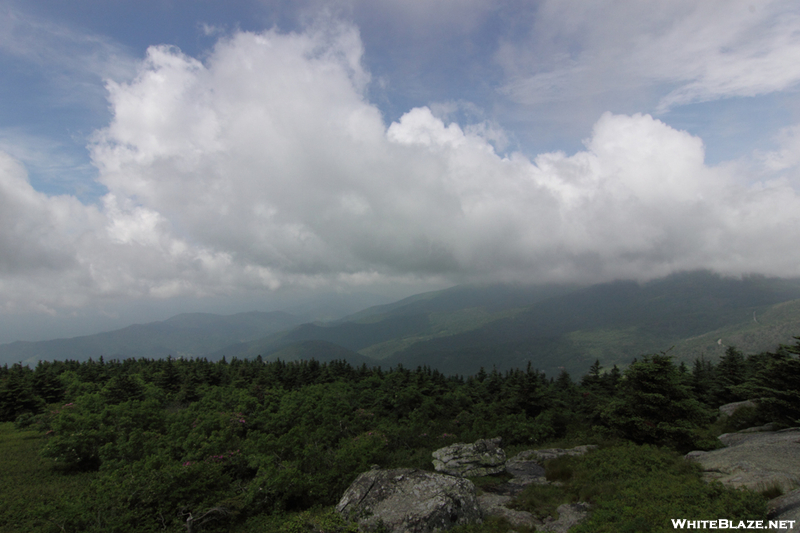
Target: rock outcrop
(414, 501)
(493, 504)
(729, 408)
(409, 501)
(547, 454)
(527, 468)
(756, 460)
(481, 458)
(759, 460)
(786, 507)
(569, 514)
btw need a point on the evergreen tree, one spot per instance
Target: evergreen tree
(46, 384)
(610, 380)
(655, 406)
(591, 381)
(17, 395)
(703, 382)
(168, 378)
(122, 388)
(730, 374)
(777, 385)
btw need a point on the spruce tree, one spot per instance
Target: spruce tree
(655, 406)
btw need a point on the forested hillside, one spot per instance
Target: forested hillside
(463, 328)
(247, 444)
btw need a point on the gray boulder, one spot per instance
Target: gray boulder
(758, 459)
(495, 505)
(786, 508)
(409, 501)
(729, 408)
(481, 458)
(754, 460)
(526, 468)
(546, 454)
(569, 514)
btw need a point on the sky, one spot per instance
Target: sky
(167, 156)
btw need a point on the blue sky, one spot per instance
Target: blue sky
(194, 155)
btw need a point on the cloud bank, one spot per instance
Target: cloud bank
(265, 165)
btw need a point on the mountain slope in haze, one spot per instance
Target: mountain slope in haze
(763, 331)
(461, 329)
(613, 322)
(491, 298)
(321, 351)
(380, 331)
(185, 335)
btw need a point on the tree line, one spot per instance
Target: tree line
(172, 439)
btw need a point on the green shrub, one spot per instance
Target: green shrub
(560, 468)
(141, 497)
(772, 490)
(34, 497)
(24, 420)
(742, 418)
(640, 488)
(541, 500)
(325, 520)
(492, 524)
(261, 442)
(636, 488)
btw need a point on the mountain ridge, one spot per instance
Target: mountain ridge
(463, 328)
(183, 335)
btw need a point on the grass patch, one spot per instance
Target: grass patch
(325, 520)
(541, 500)
(488, 483)
(492, 524)
(316, 520)
(640, 488)
(773, 490)
(742, 418)
(559, 469)
(636, 489)
(35, 497)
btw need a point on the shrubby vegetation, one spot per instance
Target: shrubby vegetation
(637, 489)
(236, 445)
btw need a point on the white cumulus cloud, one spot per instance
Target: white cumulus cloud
(265, 165)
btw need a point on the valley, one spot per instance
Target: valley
(465, 328)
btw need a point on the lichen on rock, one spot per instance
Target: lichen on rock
(481, 458)
(406, 500)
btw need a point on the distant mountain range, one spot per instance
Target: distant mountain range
(461, 329)
(185, 335)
